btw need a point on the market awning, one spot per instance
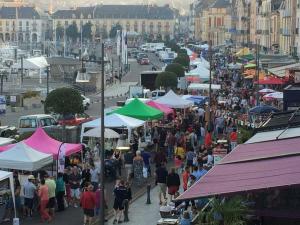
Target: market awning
(42, 142)
(174, 101)
(270, 80)
(165, 109)
(251, 167)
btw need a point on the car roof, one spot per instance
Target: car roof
(36, 115)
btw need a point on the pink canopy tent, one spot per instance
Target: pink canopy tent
(42, 142)
(165, 109)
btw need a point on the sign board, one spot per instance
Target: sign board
(2, 104)
(219, 154)
(135, 91)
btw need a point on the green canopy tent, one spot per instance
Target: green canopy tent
(250, 66)
(139, 110)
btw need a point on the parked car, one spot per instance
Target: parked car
(73, 120)
(86, 102)
(30, 123)
(157, 93)
(144, 61)
(141, 56)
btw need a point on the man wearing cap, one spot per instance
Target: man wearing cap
(29, 192)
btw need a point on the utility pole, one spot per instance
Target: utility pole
(102, 212)
(22, 70)
(210, 81)
(257, 73)
(48, 70)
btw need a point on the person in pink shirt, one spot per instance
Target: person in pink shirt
(44, 199)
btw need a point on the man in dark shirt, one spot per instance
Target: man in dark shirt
(161, 180)
(146, 158)
(121, 194)
(128, 162)
(74, 180)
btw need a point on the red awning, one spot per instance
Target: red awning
(251, 167)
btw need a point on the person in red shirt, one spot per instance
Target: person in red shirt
(185, 177)
(208, 139)
(88, 204)
(233, 139)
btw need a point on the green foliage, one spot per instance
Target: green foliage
(176, 68)
(173, 45)
(87, 31)
(30, 94)
(230, 211)
(114, 29)
(72, 31)
(23, 136)
(182, 51)
(59, 32)
(64, 101)
(166, 80)
(183, 60)
(244, 134)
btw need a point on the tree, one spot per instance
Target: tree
(114, 29)
(72, 31)
(182, 51)
(176, 68)
(59, 32)
(64, 101)
(87, 31)
(182, 59)
(167, 80)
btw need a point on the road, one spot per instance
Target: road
(74, 215)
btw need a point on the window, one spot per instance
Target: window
(47, 122)
(28, 123)
(27, 23)
(20, 24)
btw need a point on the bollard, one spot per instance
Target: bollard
(148, 194)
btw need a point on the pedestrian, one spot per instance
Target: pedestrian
(185, 178)
(190, 155)
(170, 143)
(161, 174)
(121, 194)
(43, 194)
(118, 161)
(186, 219)
(85, 175)
(128, 161)
(127, 201)
(178, 163)
(138, 168)
(146, 158)
(179, 151)
(173, 183)
(88, 204)
(29, 193)
(95, 172)
(74, 180)
(51, 190)
(233, 139)
(60, 192)
(160, 157)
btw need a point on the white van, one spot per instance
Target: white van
(30, 123)
(157, 93)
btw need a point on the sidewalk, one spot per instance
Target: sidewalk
(142, 214)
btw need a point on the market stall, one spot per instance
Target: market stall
(96, 132)
(174, 101)
(165, 109)
(9, 175)
(23, 157)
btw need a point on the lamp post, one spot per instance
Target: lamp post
(83, 77)
(210, 80)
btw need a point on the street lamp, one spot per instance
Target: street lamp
(82, 77)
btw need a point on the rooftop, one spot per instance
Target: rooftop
(24, 12)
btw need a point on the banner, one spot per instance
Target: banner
(61, 158)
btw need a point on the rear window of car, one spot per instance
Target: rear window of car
(28, 123)
(47, 122)
(161, 93)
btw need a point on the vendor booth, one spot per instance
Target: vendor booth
(165, 109)
(42, 142)
(9, 175)
(96, 132)
(202, 87)
(174, 101)
(23, 157)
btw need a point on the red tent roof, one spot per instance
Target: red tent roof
(251, 167)
(42, 142)
(270, 80)
(165, 109)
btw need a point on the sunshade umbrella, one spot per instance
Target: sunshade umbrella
(95, 132)
(263, 109)
(273, 96)
(266, 91)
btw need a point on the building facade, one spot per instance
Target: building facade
(242, 9)
(156, 22)
(297, 31)
(22, 24)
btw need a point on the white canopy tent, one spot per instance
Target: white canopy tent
(113, 121)
(95, 132)
(200, 87)
(200, 61)
(9, 175)
(23, 157)
(200, 71)
(34, 63)
(174, 101)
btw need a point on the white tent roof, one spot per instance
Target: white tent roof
(196, 86)
(272, 135)
(23, 157)
(34, 63)
(174, 101)
(200, 71)
(200, 61)
(96, 132)
(9, 175)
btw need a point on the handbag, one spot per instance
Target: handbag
(145, 172)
